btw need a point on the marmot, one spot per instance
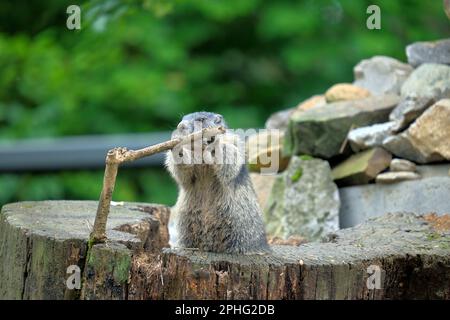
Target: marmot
(217, 208)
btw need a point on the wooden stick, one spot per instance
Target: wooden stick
(117, 156)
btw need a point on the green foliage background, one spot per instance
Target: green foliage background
(137, 66)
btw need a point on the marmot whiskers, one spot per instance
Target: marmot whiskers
(217, 209)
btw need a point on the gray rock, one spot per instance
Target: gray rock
(429, 52)
(427, 139)
(426, 85)
(304, 201)
(436, 170)
(358, 203)
(381, 75)
(430, 80)
(393, 177)
(409, 109)
(401, 146)
(402, 165)
(279, 120)
(370, 136)
(321, 131)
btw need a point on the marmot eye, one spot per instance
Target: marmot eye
(218, 119)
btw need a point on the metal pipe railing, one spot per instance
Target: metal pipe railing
(78, 152)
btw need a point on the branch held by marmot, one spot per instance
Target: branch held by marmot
(116, 157)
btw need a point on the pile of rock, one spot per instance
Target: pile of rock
(399, 170)
(303, 200)
(379, 129)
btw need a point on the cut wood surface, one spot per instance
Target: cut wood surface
(411, 253)
(39, 240)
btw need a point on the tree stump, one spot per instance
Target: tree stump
(396, 256)
(411, 253)
(40, 240)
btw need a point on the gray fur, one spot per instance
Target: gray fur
(217, 208)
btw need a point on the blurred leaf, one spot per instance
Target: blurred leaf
(139, 65)
(41, 187)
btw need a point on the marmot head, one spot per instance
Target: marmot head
(197, 121)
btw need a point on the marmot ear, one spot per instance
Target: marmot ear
(182, 125)
(218, 119)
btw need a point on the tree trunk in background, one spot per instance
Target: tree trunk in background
(39, 240)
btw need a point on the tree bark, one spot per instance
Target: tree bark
(39, 240)
(413, 257)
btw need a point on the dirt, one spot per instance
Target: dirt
(439, 223)
(291, 241)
